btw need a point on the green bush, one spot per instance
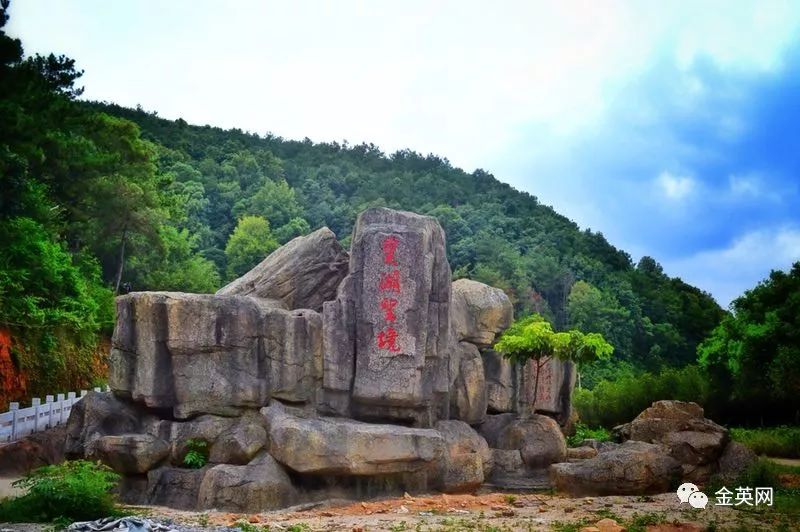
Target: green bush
(582, 432)
(776, 441)
(76, 491)
(196, 455)
(611, 403)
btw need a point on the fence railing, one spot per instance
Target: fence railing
(20, 422)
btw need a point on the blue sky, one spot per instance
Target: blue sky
(670, 127)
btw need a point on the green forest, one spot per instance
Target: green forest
(96, 199)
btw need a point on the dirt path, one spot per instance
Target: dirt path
(492, 511)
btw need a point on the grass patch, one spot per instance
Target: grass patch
(783, 442)
(71, 491)
(582, 432)
(783, 479)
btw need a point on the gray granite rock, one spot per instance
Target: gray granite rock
(538, 438)
(96, 415)
(303, 273)
(635, 468)
(336, 446)
(479, 312)
(500, 375)
(256, 487)
(468, 398)
(203, 354)
(131, 453)
(387, 335)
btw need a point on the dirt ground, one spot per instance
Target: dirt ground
(486, 512)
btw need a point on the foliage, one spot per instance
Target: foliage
(583, 432)
(611, 403)
(775, 441)
(77, 490)
(196, 455)
(753, 356)
(249, 244)
(532, 339)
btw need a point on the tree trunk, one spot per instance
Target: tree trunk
(539, 365)
(121, 259)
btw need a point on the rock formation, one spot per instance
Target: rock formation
(320, 374)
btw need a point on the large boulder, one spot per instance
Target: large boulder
(131, 453)
(334, 446)
(479, 312)
(538, 438)
(552, 393)
(229, 440)
(96, 415)
(468, 460)
(468, 391)
(493, 425)
(304, 273)
(693, 440)
(204, 354)
(258, 486)
(39, 449)
(635, 468)
(174, 487)
(387, 334)
(735, 460)
(500, 375)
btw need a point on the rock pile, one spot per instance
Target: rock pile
(320, 374)
(668, 443)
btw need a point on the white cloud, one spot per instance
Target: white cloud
(675, 187)
(727, 272)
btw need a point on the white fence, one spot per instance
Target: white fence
(20, 422)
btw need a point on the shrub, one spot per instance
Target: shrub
(582, 432)
(196, 455)
(613, 402)
(776, 441)
(77, 490)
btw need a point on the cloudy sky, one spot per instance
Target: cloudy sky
(671, 127)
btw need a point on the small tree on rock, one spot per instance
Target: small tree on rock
(533, 339)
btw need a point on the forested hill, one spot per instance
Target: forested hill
(495, 233)
(95, 198)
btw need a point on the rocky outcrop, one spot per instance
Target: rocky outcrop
(131, 453)
(374, 395)
(258, 486)
(203, 354)
(174, 487)
(500, 375)
(387, 335)
(303, 274)
(634, 468)
(735, 460)
(96, 415)
(334, 446)
(553, 393)
(539, 440)
(468, 399)
(468, 459)
(696, 442)
(479, 312)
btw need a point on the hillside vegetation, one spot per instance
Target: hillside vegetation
(97, 198)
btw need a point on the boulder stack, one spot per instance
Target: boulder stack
(319, 373)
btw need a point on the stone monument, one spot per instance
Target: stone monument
(319, 374)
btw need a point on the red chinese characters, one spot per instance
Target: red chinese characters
(390, 244)
(389, 281)
(388, 340)
(387, 306)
